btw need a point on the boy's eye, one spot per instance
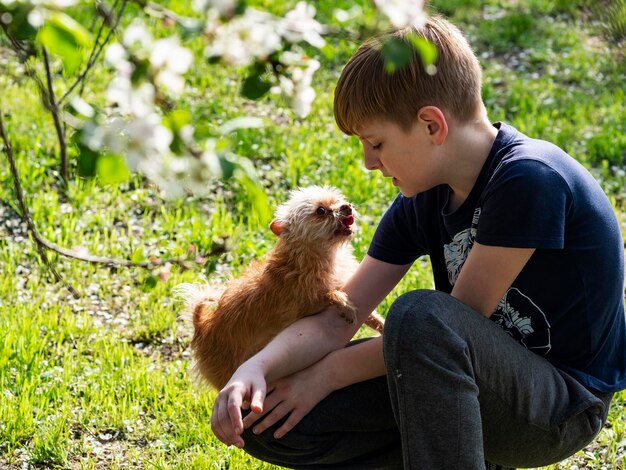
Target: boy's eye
(320, 211)
(377, 146)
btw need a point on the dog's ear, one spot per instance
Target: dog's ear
(277, 227)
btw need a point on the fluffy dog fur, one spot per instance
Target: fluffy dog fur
(300, 276)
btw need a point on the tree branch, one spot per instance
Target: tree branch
(54, 109)
(97, 50)
(44, 244)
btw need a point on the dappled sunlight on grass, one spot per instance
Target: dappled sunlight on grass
(105, 380)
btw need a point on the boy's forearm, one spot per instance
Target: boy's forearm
(302, 344)
(349, 365)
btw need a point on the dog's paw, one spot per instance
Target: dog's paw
(340, 300)
(375, 322)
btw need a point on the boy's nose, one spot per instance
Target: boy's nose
(370, 160)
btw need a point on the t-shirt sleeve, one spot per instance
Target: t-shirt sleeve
(525, 206)
(397, 238)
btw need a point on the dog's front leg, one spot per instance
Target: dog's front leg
(340, 300)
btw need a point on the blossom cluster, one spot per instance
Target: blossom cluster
(132, 124)
(403, 13)
(150, 72)
(255, 36)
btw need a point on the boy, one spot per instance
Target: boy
(513, 359)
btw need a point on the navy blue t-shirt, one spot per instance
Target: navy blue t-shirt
(567, 304)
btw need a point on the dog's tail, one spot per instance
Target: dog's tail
(196, 298)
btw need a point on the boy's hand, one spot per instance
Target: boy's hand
(295, 396)
(245, 389)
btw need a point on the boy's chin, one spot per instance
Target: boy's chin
(407, 193)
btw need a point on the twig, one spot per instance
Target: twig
(95, 54)
(54, 109)
(41, 247)
(44, 244)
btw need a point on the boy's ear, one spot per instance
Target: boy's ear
(277, 227)
(435, 122)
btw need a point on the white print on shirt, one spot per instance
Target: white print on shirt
(530, 328)
(516, 313)
(456, 251)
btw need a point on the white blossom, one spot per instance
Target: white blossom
(169, 61)
(131, 100)
(108, 136)
(36, 17)
(223, 7)
(57, 4)
(147, 138)
(167, 53)
(174, 173)
(297, 86)
(245, 38)
(299, 25)
(137, 39)
(81, 106)
(116, 55)
(403, 13)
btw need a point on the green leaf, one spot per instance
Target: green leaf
(190, 27)
(242, 169)
(140, 71)
(396, 54)
(228, 166)
(254, 87)
(111, 169)
(19, 25)
(427, 50)
(149, 283)
(175, 121)
(258, 199)
(86, 157)
(242, 122)
(137, 256)
(63, 36)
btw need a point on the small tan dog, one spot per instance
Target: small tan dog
(300, 276)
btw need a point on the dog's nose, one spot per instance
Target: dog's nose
(346, 209)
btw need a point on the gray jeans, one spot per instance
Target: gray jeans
(459, 392)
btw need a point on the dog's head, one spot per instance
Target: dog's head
(315, 214)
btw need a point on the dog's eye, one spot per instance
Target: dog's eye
(320, 211)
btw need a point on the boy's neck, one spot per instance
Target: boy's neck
(470, 144)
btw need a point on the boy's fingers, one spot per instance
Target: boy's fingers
(294, 418)
(270, 402)
(215, 427)
(272, 418)
(216, 423)
(258, 396)
(234, 412)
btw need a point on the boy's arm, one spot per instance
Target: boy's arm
(300, 345)
(296, 395)
(487, 274)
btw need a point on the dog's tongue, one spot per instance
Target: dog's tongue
(348, 220)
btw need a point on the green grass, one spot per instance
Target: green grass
(104, 381)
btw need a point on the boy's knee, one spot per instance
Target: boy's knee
(287, 451)
(416, 306)
(415, 318)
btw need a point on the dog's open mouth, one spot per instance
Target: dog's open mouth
(346, 225)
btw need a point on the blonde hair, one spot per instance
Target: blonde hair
(366, 90)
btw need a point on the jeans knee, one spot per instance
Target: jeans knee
(417, 304)
(416, 318)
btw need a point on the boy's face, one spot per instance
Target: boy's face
(407, 157)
